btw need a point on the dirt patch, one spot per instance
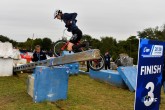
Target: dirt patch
(6, 100)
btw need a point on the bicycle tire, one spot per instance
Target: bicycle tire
(94, 67)
(57, 47)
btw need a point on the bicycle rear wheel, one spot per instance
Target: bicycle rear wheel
(97, 64)
(60, 46)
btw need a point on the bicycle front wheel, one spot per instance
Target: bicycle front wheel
(60, 46)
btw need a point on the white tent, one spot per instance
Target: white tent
(6, 61)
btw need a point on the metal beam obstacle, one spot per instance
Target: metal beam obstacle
(76, 57)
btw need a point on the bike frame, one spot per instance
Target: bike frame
(66, 44)
(64, 47)
(96, 63)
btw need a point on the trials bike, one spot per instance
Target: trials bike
(61, 45)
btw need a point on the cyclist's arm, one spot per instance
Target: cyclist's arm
(72, 18)
(74, 15)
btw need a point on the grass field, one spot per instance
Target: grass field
(83, 94)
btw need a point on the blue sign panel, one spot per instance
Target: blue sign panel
(150, 67)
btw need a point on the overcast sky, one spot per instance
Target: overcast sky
(19, 19)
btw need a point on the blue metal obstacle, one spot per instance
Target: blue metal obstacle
(50, 83)
(109, 76)
(83, 72)
(73, 67)
(61, 60)
(129, 75)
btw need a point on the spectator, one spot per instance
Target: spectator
(38, 55)
(107, 60)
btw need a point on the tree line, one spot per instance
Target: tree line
(106, 43)
(29, 44)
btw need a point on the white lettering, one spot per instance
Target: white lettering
(142, 70)
(152, 69)
(149, 69)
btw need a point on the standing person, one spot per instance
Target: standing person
(70, 23)
(107, 60)
(38, 55)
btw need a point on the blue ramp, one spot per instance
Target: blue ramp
(83, 72)
(129, 75)
(108, 76)
(50, 84)
(73, 67)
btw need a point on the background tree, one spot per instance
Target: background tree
(87, 38)
(28, 45)
(46, 44)
(157, 33)
(109, 44)
(37, 41)
(95, 43)
(6, 39)
(132, 47)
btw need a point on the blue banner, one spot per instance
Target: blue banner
(149, 77)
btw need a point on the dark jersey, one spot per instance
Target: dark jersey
(38, 56)
(107, 58)
(70, 17)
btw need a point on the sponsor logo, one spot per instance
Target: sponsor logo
(147, 100)
(152, 50)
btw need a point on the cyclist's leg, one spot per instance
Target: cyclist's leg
(77, 35)
(70, 45)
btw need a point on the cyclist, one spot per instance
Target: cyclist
(70, 23)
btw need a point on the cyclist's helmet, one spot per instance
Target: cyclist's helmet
(57, 12)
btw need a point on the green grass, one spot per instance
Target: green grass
(83, 94)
